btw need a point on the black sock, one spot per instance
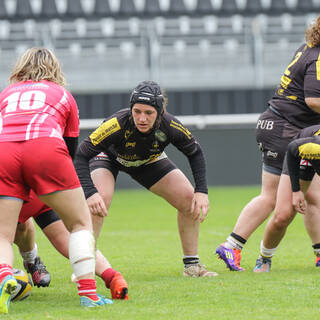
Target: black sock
(190, 261)
(237, 237)
(316, 246)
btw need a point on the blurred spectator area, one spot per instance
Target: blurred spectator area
(107, 46)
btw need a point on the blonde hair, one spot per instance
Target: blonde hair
(313, 33)
(38, 64)
(165, 99)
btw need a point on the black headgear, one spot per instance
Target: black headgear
(148, 92)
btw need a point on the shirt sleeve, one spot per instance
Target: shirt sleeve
(71, 143)
(72, 124)
(98, 141)
(303, 148)
(312, 81)
(198, 167)
(293, 162)
(184, 141)
(85, 152)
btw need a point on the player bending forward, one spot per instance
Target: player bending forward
(58, 235)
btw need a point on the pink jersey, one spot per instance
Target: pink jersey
(30, 110)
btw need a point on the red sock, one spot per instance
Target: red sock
(5, 270)
(107, 276)
(87, 287)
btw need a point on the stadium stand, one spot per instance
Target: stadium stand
(15, 9)
(196, 45)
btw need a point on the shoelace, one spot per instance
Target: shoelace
(39, 266)
(261, 262)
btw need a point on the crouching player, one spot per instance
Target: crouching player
(25, 240)
(300, 165)
(58, 235)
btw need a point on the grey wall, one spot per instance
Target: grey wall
(231, 153)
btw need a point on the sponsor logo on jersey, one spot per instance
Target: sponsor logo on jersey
(31, 86)
(309, 151)
(137, 163)
(265, 124)
(105, 130)
(155, 145)
(130, 144)
(305, 163)
(272, 154)
(101, 156)
(127, 134)
(161, 136)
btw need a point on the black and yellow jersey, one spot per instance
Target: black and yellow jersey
(306, 146)
(118, 137)
(300, 80)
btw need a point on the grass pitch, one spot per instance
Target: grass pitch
(140, 239)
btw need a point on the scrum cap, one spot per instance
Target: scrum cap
(148, 92)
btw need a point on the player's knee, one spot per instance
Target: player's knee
(312, 198)
(268, 201)
(281, 222)
(186, 202)
(82, 252)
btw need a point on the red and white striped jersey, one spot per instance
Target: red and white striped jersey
(30, 110)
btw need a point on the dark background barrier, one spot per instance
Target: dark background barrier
(181, 102)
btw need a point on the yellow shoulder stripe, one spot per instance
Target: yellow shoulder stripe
(181, 128)
(310, 151)
(318, 68)
(104, 130)
(292, 97)
(317, 133)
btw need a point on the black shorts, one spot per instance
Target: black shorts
(46, 218)
(273, 134)
(146, 175)
(306, 171)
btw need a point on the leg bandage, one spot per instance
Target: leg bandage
(82, 252)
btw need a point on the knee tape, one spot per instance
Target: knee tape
(82, 252)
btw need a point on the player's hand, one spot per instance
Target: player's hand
(97, 206)
(200, 206)
(298, 201)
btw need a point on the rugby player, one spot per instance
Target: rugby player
(294, 106)
(133, 141)
(54, 229)
(301, 163)
(39, 130)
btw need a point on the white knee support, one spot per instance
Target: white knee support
(82, 252)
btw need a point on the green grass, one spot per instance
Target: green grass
(140, 239)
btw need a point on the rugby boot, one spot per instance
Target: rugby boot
(262, 265)
(198, 270)
(40, 276)
(7, 287)
(231, 257)
(318, 261)
(86, 301)
(119, 287)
